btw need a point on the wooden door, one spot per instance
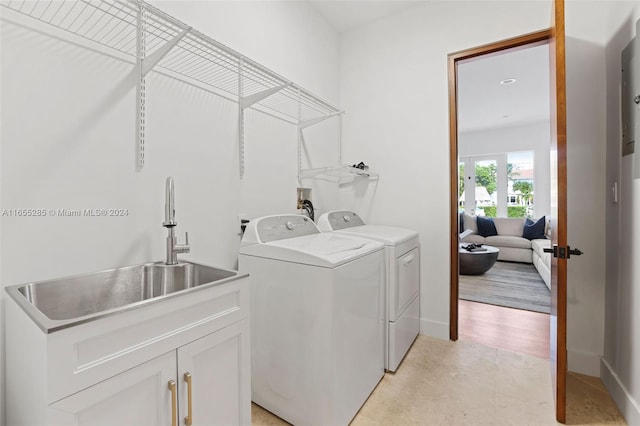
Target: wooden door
(139, 396)
(218, 366)
(555, 36)
(558, 318)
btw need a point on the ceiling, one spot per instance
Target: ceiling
(482, 101)
(345, 15)
(485, 103)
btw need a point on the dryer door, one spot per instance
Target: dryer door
(407, 282)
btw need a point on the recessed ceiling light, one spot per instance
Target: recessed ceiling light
(508, 81)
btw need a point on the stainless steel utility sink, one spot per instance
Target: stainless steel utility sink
(77, 299)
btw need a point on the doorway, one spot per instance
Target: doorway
(492, 183)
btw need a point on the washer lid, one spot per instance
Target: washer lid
(327, 250)
(389, 235)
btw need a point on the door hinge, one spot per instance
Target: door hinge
(563, 252)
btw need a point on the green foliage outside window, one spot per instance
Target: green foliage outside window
(486, 176)
(526, 188)
(512, 211)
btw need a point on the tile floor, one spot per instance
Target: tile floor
(463, 383)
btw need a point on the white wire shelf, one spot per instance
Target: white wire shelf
(196, 56)
(156, 39)
(341, 175)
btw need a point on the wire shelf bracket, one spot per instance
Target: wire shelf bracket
(144, 65)
(308, 123)
(149, 62)
(141, 50)
(303, 124)
(247, 101)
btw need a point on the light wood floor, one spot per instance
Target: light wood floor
(513, 330)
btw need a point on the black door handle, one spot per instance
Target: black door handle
(563, 252)
(575, 252)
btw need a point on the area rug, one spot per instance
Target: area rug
(509, 284)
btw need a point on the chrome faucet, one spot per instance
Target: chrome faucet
(173, 248)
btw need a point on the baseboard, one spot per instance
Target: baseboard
(584, 363)
(628, 406)
(439, 330)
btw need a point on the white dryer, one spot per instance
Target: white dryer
(317, 319)
(402, 263)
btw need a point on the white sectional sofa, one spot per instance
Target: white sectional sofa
(542, 260)
(513, 246)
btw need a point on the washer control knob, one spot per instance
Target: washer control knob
(289, 225)
(346, 218)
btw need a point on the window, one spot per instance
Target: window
(486, 182)
(520, 175)
(486, 187)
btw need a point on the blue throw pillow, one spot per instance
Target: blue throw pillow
(534, 230)
(461, 221)
(486, 227)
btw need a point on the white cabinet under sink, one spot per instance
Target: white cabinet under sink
(143, 396)
(135, 397)
(117, 370)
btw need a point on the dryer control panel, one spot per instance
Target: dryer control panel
(343, 219)
(273, 228)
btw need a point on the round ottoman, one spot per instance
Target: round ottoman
(477, 262)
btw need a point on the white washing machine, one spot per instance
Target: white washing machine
(402, 264)
(317, 319)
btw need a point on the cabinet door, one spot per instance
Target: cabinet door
(219, 365)
(139, 396)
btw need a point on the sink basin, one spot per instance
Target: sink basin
(83, 296)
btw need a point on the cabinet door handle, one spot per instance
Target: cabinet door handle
(174, 403)
(189, 419)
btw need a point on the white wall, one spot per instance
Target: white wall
(68, 126)
(586, 110)
(620, 366)
(394, 88)
(527, 137)
(394, 85)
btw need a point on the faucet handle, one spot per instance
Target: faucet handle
(182, 248)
